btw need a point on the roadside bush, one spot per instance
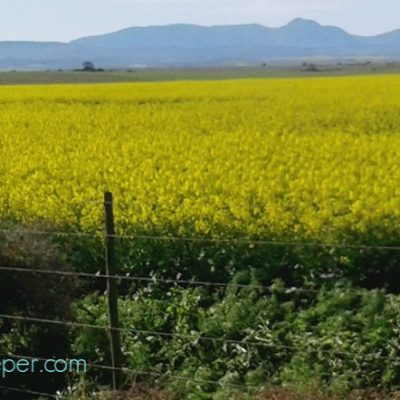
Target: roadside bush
(33, 295)
(341, 339)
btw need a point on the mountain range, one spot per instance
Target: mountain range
(183, 45)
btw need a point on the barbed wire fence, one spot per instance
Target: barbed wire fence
(112, 278)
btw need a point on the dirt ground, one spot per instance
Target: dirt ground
(140, 392)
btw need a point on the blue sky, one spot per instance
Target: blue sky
(68, 19)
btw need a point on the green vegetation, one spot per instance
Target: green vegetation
(150, 75)
(333, 340)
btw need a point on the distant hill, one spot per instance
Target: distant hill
(191, 45)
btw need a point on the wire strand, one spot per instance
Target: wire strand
(259, 242)
(154, 373)
(171, 335)
(49, 233)
(154, 280)
(207, 240)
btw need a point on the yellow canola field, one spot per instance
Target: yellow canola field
(299, 158)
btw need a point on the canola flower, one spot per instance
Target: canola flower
(274, 158)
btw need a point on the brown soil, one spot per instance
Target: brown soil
(142, 392)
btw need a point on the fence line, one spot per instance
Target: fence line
(141, 331)
(255, 242)
(48, 233)
(172, 335)
(155, 280)
(259, 242)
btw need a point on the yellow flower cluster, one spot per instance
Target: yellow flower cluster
(298, 158)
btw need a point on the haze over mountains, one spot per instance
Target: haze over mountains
(191, 45)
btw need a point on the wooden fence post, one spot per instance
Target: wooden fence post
(112, 292)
